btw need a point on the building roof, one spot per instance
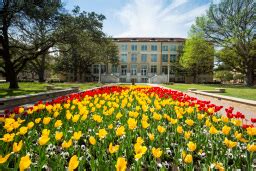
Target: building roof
(148, 39)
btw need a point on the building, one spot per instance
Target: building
(146, 60)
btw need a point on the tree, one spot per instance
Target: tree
(84, 43)
(197, 57)
(231, 24)
(223, 75)
(20, 35)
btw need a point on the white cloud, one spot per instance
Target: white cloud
(153, 18)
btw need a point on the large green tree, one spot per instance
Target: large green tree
(22, 22)
(198, 56)
(83, 43)
(231, 24)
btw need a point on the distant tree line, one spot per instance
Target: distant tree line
(32, 30)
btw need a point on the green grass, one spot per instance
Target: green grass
(33, 88)
(239, 91)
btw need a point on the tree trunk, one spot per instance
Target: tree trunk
(13, 80)
(41, 76)
(11, 75)
(249, 78)
(75, 63)
(41, 70)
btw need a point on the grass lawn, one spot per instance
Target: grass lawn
(239, 91)
(33, 88)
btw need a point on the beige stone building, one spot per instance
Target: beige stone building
(146, 60)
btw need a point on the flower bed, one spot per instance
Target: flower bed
(122, 127)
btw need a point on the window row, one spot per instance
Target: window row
(144, 47)
(144, 69)
(173, 58)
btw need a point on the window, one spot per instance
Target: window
(153, 47)
(153, 58)
(164, 70)
(133, 69)
(180, 47)
(143, 57)
(114, 68)
(173, 47)
(164, 57)
(144, 47)
(123, 69)
(123, 57)
(134, 47)
(172, 58)
(144, 69)
(172, 69)
(103, 68)
(153, 69)
(164, 48)
(95, 69)
(134, 58)
(122, 80)
(144, 80)
(124, 48)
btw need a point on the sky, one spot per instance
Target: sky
(144, 18)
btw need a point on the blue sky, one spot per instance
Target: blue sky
(144, 18)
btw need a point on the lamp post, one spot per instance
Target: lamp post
(99, 73)
(168, 74)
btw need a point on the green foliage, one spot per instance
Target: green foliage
(198, 56)
(223, 75)
(83, 43)
(230, 24)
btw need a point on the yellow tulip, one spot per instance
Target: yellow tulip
(58, 123)
(213, 130)
(132, 123)
(251, 147)
(112, 149)
(151, 136)
(43, 140)
(251, 131)
(191, 146)
(24, 163)
(58, 135)
(179, 129)
(17, 147)
(121, 164)
(226, 130)
(37, 120)
(23, 130)
(188, 159)
(229, 143)
(77, 135)
(73, 163)
(46, 120)
(8, 137)
(157, 152)
(161, 129)
(46, 132)
(139, 151)
(75, 118)
(187, 134)
(92, 140)
(30, 125)
(4, 159)
(120, 131)
(189, 122)
(102, 133)
(66, 144)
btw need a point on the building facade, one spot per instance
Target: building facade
(146, 60)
